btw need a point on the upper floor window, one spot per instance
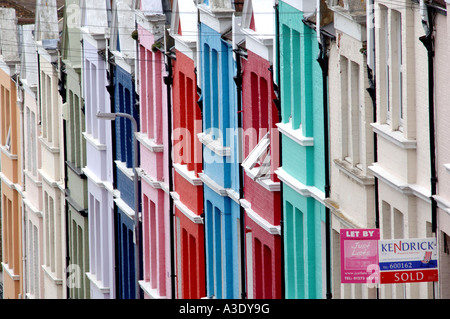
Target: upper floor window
(6, 117)
(351, 113)
(391, 67)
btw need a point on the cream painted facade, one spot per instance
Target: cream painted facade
(351, 136)
(51, 146)
(32, 195)
(402, 128)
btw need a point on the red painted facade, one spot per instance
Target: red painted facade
(260, 116)
(188, 187)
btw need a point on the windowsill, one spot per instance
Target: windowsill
(447, 167)
(295, 135)
(146, 287)
(148, 179)
(149, 143)
(188, 175)
(399, 184)
(5, 151)
(395, 137)
(214, 145)
(354, 172)
(196, 219)
(9, 271)
(48, 145)
(52, 275)
(94, 142)
(263, 223)
(93, 279)
(122, 166)
(77, 170)
(33, 178)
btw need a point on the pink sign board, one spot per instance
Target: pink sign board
(359, 254)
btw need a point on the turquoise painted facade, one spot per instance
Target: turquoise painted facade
(302, 171)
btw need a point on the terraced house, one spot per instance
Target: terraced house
(153, 83)
(96, 79)
(74, 154)
(11, 158)
(206, 149)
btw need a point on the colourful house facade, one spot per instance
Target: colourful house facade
(302, 169)
(11, 160)
(261, 154)
(76, 195)
(187, 163)
(220, 174)
(154, 152)
(96, 78)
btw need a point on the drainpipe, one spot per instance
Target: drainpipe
(428, 42)
(200, 106)
(168, 81)
(62, 93)
(110, 88)
(277, 102)
(323, 62)
(372, 92)
(238, 80)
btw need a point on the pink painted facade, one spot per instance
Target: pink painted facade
(153, 171)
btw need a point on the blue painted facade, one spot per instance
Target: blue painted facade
(124, 102)
(221, 211)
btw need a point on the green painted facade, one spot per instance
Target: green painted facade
(302, 157)
(75, 157)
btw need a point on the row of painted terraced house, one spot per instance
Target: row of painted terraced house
(216, 148)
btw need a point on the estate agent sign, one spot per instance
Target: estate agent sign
(359, 250)
(407, 260)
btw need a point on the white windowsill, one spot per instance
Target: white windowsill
(214, 145)
(295, 135)
(395, 137)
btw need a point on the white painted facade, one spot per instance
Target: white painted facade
(32, 195)
(402, 128)
(51, 146)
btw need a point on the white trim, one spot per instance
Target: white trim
(124, 207)
(52, 275)
(93, 279)
(148, 179)
(213, 185)
(399, 185)
(295, 135)
(185, 210)
(214, 145)
(395, 137)
(152, 293)
(268, 184)
(264, 224)
(149, 143)
(10, 272)
(122, 166)
(32, 208)
(188, 175)
(94, 142)
(299, 187)
(354, 173)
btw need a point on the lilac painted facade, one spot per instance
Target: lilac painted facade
(99, 169)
